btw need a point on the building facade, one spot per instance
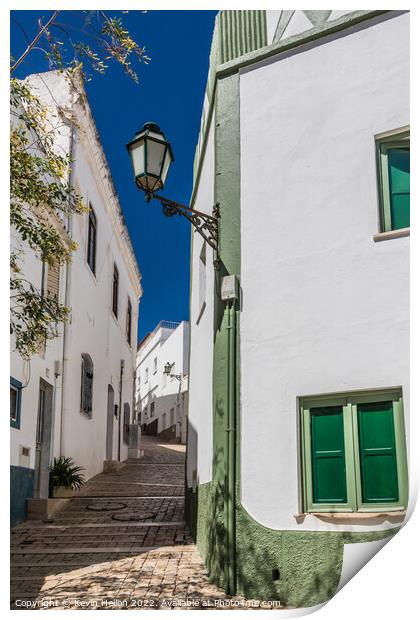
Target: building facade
(162, 399)
(299, 396)
(75, 398)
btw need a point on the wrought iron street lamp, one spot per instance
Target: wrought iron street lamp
(151, 156)
(167, 371)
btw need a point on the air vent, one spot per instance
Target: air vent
(24, 456)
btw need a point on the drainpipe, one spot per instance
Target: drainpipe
(67, 298)
(119, 409)
(230, 497)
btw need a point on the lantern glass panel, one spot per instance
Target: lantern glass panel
(155, 156)
(137, 157)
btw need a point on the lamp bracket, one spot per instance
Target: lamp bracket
(206, 225)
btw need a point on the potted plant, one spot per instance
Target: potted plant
(66, 476)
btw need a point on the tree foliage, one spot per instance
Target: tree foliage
(42, 197)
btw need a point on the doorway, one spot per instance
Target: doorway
(43, 439)
(110, 424)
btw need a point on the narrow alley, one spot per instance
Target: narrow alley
(121, 542)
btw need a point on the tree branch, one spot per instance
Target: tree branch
(34, 42)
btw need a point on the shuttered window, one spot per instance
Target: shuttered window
(86, 392)
(126, 430)
(128, 322)
(394, 171)
(91, 242)
(353, 452)
(115, 286)
(328, 462)
(378, 459)
(53, 281)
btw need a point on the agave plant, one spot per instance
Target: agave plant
(65, 473)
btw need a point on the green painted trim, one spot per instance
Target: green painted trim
(298, 40)
(227, 194)
(218, 69)
(241, 32)
(349, 403)
(303, 582)
(309, 562)
(235, 33)
(309, 504)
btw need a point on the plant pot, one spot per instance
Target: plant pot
(62, 492)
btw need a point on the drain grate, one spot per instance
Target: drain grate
(135, 517)
(106, 507)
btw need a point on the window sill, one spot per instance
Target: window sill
(392, 234)
(351, 516)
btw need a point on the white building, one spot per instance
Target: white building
(76, 398)
(161, 399)
(299, 388)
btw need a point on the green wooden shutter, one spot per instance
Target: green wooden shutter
(328, 458)
(378, 463)
(399, 186)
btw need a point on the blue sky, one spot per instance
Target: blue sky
(170, 92)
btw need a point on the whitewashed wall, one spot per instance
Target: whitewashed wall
(30, 372)
(325, 307)
(200, 413)
(164, 345)
(92, 328)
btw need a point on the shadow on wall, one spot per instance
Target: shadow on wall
(299, 569)
(162, 405)
(97, 564)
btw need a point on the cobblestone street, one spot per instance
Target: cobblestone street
(120, 541)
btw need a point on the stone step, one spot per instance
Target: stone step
(134, 549)
(122, 524)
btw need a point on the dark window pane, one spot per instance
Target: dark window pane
(126, 423)
(115, 284)
(128, 326)
(91, 249)
(87, 384)
(13, 403)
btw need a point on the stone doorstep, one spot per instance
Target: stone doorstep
(113, 466)
(134, 454)
(44, 508)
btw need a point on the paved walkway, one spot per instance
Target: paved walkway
(121, 543)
